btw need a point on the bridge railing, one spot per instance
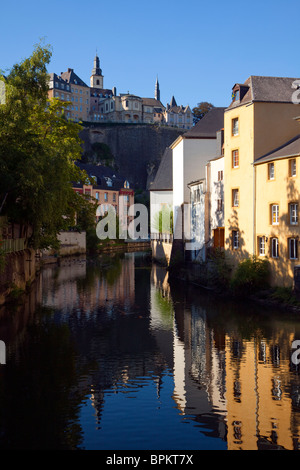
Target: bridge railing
(162, 237)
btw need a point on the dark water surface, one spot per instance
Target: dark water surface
(109, 355)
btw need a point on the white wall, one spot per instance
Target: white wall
(157, 200)
(178, 182)
(197, 152)
(190, 157)
(216, 192)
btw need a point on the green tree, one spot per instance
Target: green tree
(38, 150)
(163, 220)
(200, 110)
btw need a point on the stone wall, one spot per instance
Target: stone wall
(137, 148)
(20, 270)
(72, 243)
(161, 251)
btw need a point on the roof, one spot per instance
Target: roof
(54, 77)
(289, 149)
(178, 109)
(100, 92)
(101, 173)
(71, 77)
(266, 89)
(163, 180)
(152, 102)
(173, 102)
(208, 126)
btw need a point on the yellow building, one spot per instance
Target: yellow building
(60, 89)
(260, 118)
(80, 96)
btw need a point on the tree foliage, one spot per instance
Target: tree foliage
(251, 275)
(163, 220)
(38, 150)
(200, 110)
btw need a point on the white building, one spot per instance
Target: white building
(161, 194)
(191, 153)
(207, 206)
(216, 183)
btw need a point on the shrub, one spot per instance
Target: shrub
(219, 271)
(250, 276)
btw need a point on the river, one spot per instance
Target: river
(109, 354)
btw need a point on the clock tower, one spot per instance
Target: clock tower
(96, 80)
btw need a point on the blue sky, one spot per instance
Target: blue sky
(199, 49)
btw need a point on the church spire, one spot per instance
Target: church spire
(157, 90)
(96, 69)
(96, 80)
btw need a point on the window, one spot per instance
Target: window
(220, 175)
(235, 159)
(114, 197)
(293, 210)
(271, 171)
(235, 126)
(235, 239)
(293, 248)
(220, 205)
(292, 167)
(97, 196)
(274, 214)
(235, 95)
(105, 196)
(274, 248)
(235, 198)
(261, 246)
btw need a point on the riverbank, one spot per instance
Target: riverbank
(282, 298)
(19, 272)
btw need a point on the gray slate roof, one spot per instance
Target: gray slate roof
(289, 149)
(208, 126)
(71, 77)
(101, 172)
(163, 180)
(153, 102)
(267, 89)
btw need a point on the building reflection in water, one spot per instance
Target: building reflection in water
(231, 365)
(241, 373)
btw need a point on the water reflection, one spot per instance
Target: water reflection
(108, 354)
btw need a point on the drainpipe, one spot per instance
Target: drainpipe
(254, 209)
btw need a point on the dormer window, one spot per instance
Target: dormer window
(235, 94)
(238, 92)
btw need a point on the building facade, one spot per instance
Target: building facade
(260, 118)
(108, 190)
(191, 153)
(95, 103)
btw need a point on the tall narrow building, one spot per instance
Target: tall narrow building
(96, 80)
